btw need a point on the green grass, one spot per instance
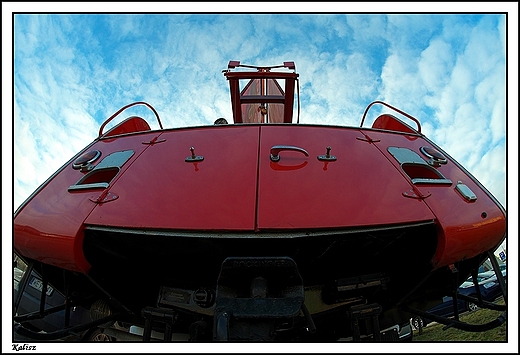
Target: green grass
(434, 332)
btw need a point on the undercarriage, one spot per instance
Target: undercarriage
(302, 296)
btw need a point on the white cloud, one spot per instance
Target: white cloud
(489, 170)
(366, 28)
(490, 100)
(435, 63)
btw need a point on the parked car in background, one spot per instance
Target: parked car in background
(30, 302)
(489, 289)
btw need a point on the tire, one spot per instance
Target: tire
(471, 306)
(417, 323)
(97, 334)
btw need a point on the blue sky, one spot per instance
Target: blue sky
(72, 71)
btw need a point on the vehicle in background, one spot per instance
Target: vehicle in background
(29, 302)
(489, 289)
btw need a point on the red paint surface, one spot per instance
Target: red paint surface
(164, 191)
(49, 227)
(465, 233)
(238, 188)
(360, 188)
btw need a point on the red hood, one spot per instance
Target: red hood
(238, 187)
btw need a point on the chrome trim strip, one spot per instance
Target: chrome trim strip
(466, 192)
(431, 181)
(252, 234)
(98, 185)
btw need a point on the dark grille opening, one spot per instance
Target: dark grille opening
(140, 262)
(99, 176)
(421, 171)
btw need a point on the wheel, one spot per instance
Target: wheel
(97, 334)
(471, 306)
(417, 323)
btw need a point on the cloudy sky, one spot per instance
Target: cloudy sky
(73, 70)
